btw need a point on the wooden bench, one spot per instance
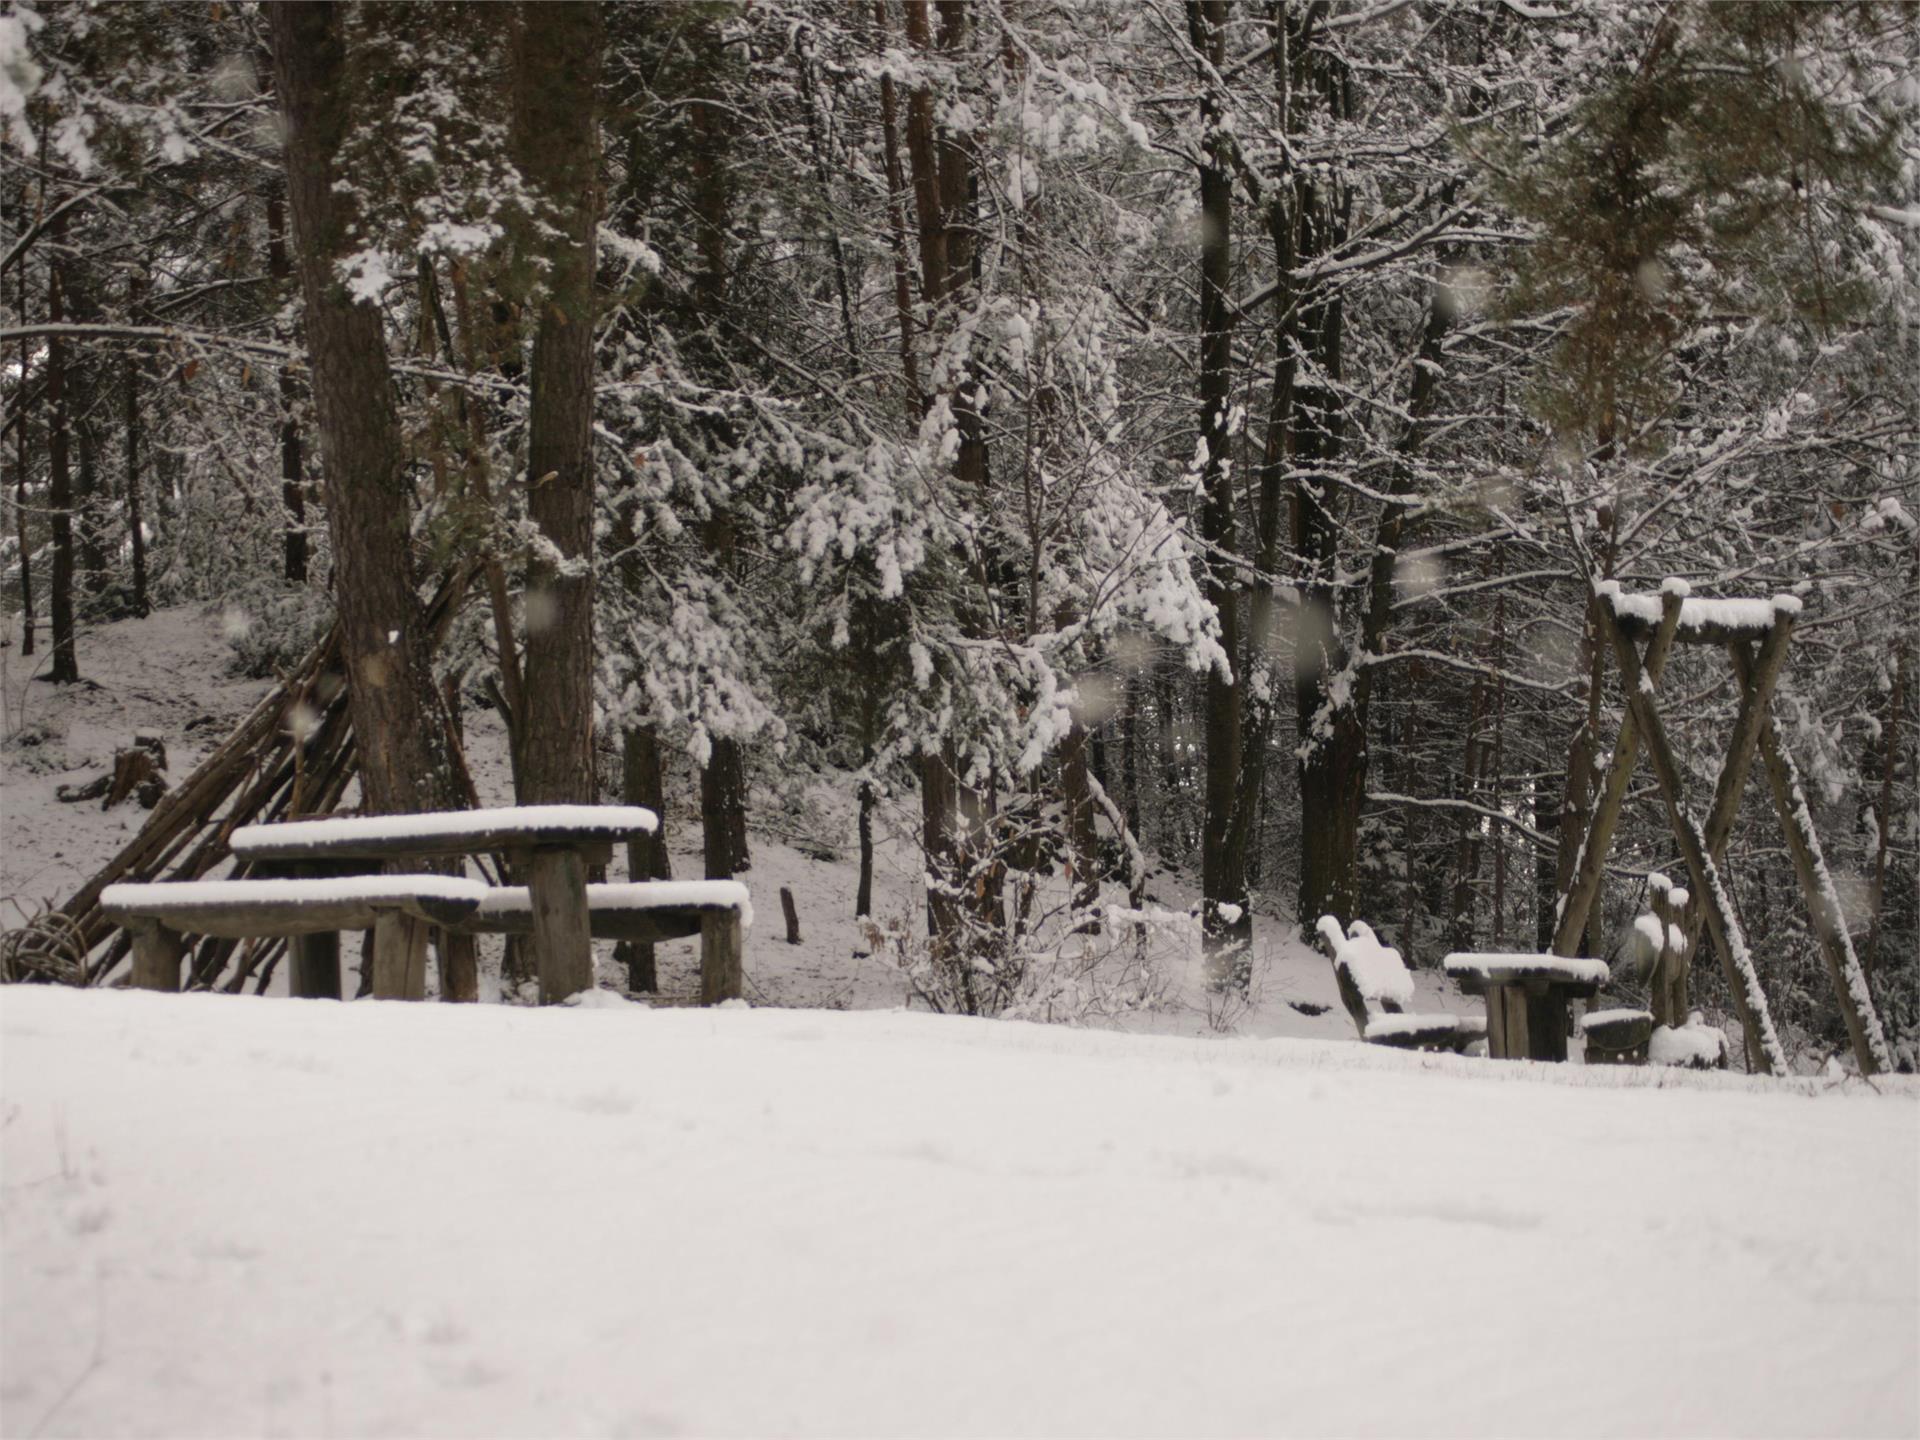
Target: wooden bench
(1527, 999)
(718, 911)
(1376, 987)
(399, 909)
(553, 844)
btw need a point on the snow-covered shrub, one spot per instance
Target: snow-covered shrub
(271, 628)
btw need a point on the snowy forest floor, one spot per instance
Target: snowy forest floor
(172, 672)
(225, 1217)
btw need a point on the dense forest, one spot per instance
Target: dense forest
(1124, 439)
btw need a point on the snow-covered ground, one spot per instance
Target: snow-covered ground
(823, 1215)
(171, 672)
(230, 1216)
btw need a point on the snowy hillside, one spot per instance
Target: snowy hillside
(171, 673)
(227, 1216)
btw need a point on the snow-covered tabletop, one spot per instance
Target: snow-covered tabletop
(444, 832)
(1474, 971)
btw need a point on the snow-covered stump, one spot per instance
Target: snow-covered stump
(1823, 902)
(1617, 1037)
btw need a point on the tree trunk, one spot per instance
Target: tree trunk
(556, 71)
(1226, 917)
(136, 520)
(398, 727)
(647, 856)
(723, 811)
(65, 668)
(292, 461)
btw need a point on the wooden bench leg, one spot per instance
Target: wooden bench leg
(399, 958)
(721, 944)
(313, 966)
(562, 942)
(156, 956)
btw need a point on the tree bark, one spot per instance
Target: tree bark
(292, 461)
(398, 725)
(65, 668)
(557, 64)
(1222, 860)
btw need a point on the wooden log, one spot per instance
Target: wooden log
(562, 941)
(722, 972)
(1667, 987)
(1729, 941)
(313, 965)
(1849, 982)
(1592, 863)
(792, 915)
(156, 956)
(399, 958)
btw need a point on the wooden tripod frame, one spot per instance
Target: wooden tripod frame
(1737, 626)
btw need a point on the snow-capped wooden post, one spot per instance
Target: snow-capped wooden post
(1810, 867)
(1667, 986)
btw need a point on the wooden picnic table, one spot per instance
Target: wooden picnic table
(553, 845)
(1527, 999)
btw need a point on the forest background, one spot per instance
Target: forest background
(1135, 437)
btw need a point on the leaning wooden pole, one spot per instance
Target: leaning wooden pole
(1816, 884)
(1592, 861)
(1764, 1050)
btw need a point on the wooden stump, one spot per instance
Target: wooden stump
(399, 958)
(792, 915)
(156, 956)
(722, 974)
(562, 944)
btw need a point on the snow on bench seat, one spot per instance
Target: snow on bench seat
(444, 832)
(240, 909)
(637, 910)
(1416, 1031)
(1701, 620)
(1476, 970)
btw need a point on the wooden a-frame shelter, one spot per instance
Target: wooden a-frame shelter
(1739, 625)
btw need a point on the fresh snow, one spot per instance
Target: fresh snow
(1694, 1043)
(1753, 616)
(1377, 971)
(611, 821)
(235, 1216)
(1481, 965)
(290, 892)
(634, 895)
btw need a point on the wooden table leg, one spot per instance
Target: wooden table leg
(562, 941)
(156, 956)
(313, 966)
(1546, 1020)
(399, 958)
(721, 945)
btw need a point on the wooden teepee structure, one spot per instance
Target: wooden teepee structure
(292, 755)
(1661, 622)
